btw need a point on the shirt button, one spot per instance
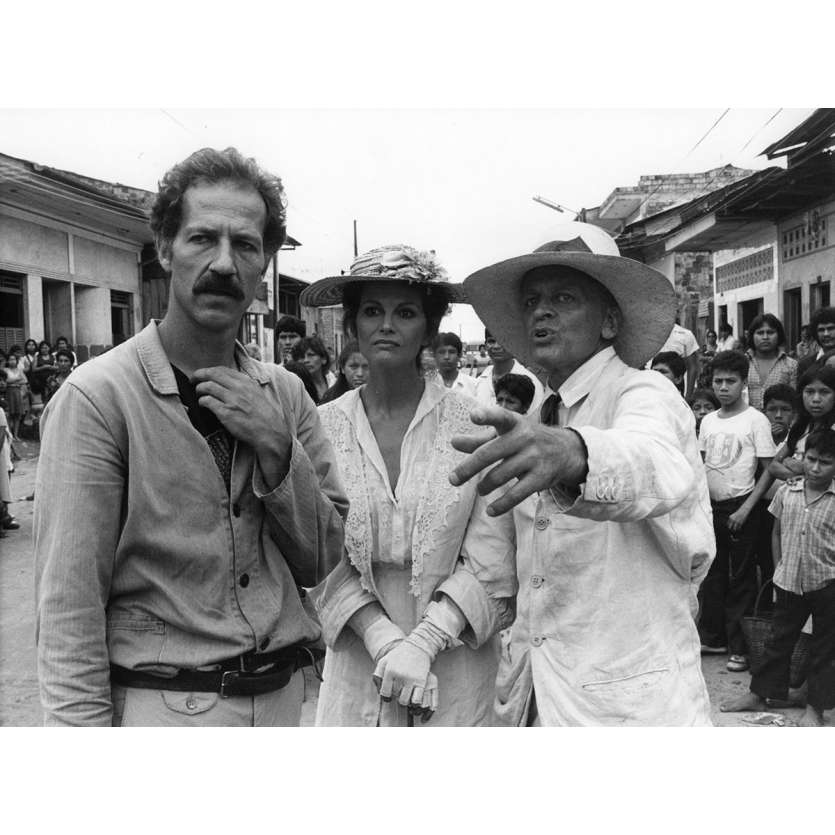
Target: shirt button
(542, 523)
(236, 509)
(264, 643)
(537, 581)
(244, 580)
(191, 704)
(537, 640)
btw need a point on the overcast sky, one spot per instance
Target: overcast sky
(456, 181)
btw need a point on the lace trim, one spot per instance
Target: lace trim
(352, 468)
(439, 495)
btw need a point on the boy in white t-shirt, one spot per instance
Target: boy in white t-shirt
(737, 447)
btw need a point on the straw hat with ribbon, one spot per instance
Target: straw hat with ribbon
(386, 263)
(645, 296)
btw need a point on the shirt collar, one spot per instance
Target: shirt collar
(579, 384)
(158, 367)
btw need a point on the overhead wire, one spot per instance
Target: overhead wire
(709, 131)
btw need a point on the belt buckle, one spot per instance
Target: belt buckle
(227, 683)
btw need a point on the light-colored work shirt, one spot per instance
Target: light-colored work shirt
(142, 557)
(807, 538)
(681, 341)
(605, 631)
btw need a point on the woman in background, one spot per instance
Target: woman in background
(353, 372)
(313, 353)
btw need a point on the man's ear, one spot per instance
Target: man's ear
(610, 325)
(164, 253)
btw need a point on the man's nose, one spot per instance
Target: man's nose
(223, 262)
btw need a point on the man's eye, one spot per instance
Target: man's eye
(528, 302)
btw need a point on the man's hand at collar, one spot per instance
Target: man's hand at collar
(242, 407)
(538, 456)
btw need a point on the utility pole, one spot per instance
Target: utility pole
(355, 240)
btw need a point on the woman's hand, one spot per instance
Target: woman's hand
(403, 673)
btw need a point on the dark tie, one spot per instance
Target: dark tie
(549, 414)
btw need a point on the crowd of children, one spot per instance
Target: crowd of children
(29, 376)
(770, 465)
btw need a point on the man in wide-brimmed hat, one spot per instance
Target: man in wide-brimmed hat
(611, 515)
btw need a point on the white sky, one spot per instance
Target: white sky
(458, 181)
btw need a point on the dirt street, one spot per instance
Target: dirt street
(19, 703)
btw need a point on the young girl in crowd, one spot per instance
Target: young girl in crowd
(702, 402)
(353, 372)
(770, 364)
(514, 392)
(16, 394)
(816, 410)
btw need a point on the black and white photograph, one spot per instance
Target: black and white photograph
(474, 412)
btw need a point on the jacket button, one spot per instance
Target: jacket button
(537, 640)
(244, 580)
(191, 704)
(542, 523)
(236, 509)
(537, 581)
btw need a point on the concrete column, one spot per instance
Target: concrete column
(33, 323)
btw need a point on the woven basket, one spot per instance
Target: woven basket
(757, 630)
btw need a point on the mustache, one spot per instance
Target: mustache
(213, 283)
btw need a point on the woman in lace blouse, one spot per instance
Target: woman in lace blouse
(411, 614)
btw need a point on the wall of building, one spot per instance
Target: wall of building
(807, 258)
(24, 244)
(106, 265)
(69, 273)
(746, 287)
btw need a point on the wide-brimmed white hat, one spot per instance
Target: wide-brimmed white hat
(645, 296)
(395, 262)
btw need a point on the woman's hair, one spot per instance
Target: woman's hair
(434, 301)
(518, 386)
(816, 374)
(26, 345)
(728, 329)
(312, 343)
(703, 394)
(300, 370)
(341, 386)
(44, 342)
(63, 352)
(766, 319)
(710, 332)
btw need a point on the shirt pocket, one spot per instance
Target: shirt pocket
(643, 697)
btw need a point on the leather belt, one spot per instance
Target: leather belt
(250, 674)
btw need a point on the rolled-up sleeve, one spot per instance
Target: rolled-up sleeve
(305, 512)
(337, 598)
(78, 496)
(638, 468)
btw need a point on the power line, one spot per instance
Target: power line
(710, 130)
(758, 131)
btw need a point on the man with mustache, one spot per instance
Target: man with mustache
(186, 492)
(611, 517)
